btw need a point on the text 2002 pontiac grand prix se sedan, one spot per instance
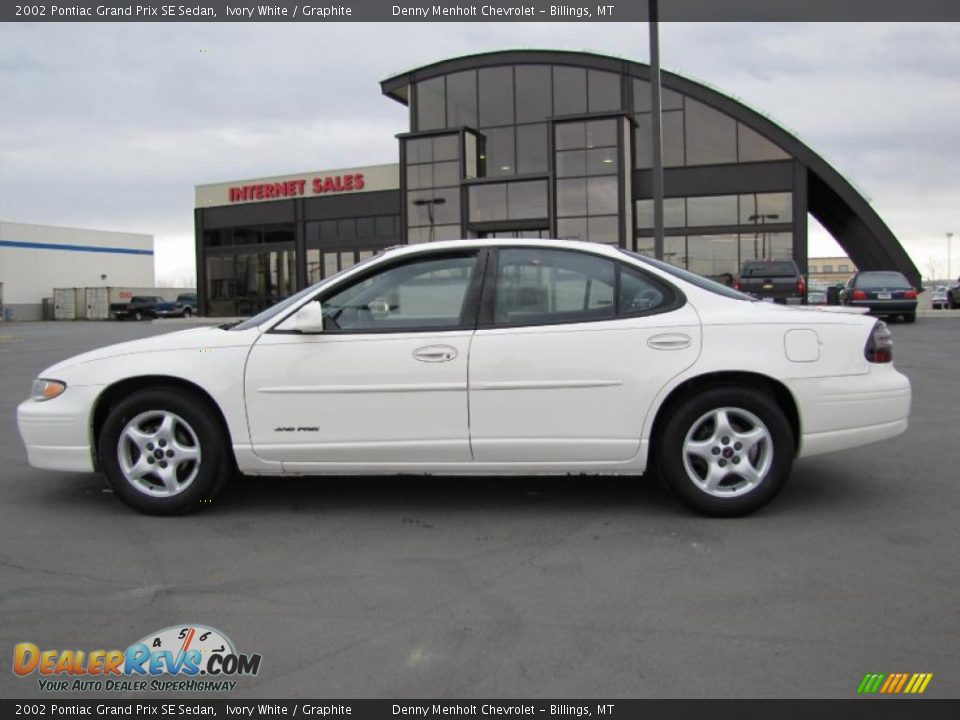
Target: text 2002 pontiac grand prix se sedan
(480, 357)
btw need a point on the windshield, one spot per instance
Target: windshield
(699, 280)
(277, 309)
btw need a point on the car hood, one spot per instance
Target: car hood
(192, 339)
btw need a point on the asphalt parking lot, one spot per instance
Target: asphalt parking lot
(460, 588)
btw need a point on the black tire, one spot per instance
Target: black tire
(910, 317)
(195, 427)
(734, 494)
(187, 312)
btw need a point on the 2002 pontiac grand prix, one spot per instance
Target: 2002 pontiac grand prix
(480, 357)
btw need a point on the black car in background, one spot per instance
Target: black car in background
(776, 280)
(884, 292)
(141, 307)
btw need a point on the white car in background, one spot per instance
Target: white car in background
(513, 357)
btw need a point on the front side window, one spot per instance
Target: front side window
(426, 294)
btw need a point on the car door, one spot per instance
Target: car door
(571, 350)
(385, 383)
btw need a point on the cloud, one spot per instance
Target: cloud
(111, 125)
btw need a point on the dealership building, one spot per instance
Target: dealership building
(543, 144)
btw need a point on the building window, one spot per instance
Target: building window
(588, 189)
(696, 134)
(244, 283)
(766, 208)
(496, 202)
(431, 103)
(711, 136)
(462, 99)
(496, 96)
(827, 269)
(569, 90)
(433, 188)
(534, 101)
(844, 268)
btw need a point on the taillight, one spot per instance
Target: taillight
(801, 286)
(858, 295)
(737, 285)
(910, 295)
(879, 347)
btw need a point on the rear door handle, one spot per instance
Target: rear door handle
(435, 353)
(670, 341)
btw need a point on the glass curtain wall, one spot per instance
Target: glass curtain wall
(433, 188)
(334, 244)
(695, 134)
(715, 235)
(587, 166)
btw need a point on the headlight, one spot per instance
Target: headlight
(47, 389)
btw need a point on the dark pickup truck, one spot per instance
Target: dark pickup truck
(776, 280)
(142, 306)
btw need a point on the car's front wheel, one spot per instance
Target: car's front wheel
(187, 312)
(726, 451)
(163, 452)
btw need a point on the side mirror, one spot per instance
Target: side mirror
(308, 319)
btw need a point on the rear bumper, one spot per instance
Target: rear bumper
(56, 433)
(840, 413)
(886, 307)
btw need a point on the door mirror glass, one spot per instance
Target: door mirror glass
(308, 319)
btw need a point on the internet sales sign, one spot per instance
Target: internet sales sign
(296, 187)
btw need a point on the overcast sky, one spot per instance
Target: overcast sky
(110, 126)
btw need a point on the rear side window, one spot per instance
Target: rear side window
(537, 286)
(892, 280)
(541, 286)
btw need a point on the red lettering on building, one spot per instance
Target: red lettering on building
(296, 188)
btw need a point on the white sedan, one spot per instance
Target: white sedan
(480, 357)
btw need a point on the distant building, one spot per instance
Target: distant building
(831, 270)
(35, 259)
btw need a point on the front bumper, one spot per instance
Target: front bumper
(57, 433)
(839, 413)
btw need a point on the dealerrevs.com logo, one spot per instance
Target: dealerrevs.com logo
(178, 658)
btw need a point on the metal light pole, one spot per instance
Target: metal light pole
(656, 132)
(949, 256)
(761, 218)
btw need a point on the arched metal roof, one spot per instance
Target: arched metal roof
(832, 200)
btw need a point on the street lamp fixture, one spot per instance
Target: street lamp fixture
(429, 203)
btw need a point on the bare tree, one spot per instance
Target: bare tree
(933, 268)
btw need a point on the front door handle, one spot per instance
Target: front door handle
(435, 353)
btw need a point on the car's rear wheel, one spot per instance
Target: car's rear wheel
(137, 315)
(726, 451)
(187, 312)
(163, 452)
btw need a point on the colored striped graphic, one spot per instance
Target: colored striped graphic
(894, 683)
(73, 248)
